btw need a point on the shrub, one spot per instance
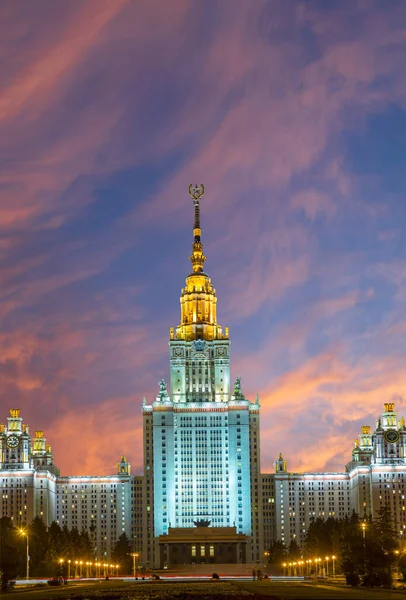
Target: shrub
(352, 579)
(215, 576)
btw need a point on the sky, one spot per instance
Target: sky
(293, 115)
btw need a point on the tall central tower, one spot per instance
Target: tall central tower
(199, 351)
(201, 441)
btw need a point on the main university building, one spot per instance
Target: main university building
(202, 497)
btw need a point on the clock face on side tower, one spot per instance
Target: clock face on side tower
(13, 441)
(391, 436)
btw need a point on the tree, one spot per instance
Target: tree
(294, 550)
(277, 553)
(11, 552)
(54, 547)
(320, 536)
(85, 545)
(37, 532)
(402, 566)
(366, 552)
(121, 553)
(385, 530)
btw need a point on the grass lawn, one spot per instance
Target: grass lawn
(204, 590)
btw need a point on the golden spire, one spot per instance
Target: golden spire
(198, 301)
(197, 257)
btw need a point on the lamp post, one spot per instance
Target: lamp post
(69, 569)
(25, 533)
(267, 554)
(284, 569)
(135, 556)
(364, 526)
(334, 566)
(327, 559)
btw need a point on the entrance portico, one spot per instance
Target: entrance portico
(201, 545)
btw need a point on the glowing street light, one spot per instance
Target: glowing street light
(135, 557)
(334, 567)
(25, 533)
(69, 569)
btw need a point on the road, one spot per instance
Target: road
(275, 590)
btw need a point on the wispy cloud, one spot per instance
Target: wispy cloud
(107, 112)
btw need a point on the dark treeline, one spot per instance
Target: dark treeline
(47, 546)
(371, 558)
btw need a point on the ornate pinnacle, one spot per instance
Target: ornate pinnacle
(196, 192)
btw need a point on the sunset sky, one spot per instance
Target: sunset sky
(293, 115)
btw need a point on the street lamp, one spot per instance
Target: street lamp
(284, 569)
(364, 526)
(327, 559)
(25, 533)
(135, 556)
(69, 569)
(334, 567)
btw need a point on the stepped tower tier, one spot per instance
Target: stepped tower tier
(199, 350)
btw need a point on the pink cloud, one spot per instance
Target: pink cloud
(253, 117)
(314, 203)
(88, 437)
